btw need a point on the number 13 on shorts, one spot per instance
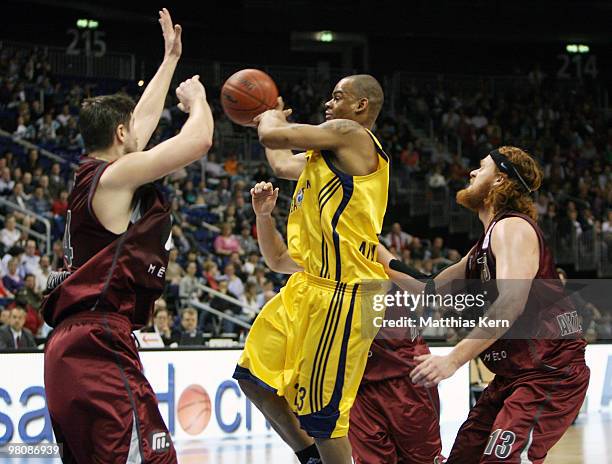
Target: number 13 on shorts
(500, 443)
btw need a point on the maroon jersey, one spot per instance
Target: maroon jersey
(113, 273)
(392, 354)
(550, 337)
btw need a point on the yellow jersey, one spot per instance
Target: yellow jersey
(335, 219)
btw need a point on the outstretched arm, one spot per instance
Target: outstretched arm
(285, 164)
(515, 272)
(193, 141)
(151, 103)
(351, 145)
(271, 244)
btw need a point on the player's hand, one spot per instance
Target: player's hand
(278, 112)
(263, 197)
(432, 370)
(190, 91)
(173, 46)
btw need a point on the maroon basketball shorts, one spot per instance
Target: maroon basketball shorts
(394, 421)
(102, 408)
(518, 420)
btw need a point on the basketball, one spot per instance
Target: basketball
(194, 409)
(246, 94)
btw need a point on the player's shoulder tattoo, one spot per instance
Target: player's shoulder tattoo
(343, 126)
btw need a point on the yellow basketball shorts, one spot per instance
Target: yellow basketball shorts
(307, 345)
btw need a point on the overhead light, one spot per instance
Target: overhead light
(577, 48)
(83, 23)
(325, 36)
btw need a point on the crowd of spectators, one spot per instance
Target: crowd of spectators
(214, 234)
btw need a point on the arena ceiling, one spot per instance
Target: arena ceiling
(494, 19)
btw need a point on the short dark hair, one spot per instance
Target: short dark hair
(366, 86)
(100, 116)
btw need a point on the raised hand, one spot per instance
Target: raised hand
(188, 92)
(263, 197)
(279, 112)
(172, 35)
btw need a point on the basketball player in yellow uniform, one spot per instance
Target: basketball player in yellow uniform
(306, 353)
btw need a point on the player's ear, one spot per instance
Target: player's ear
(121, 132)
(498, 179)
(362, 105)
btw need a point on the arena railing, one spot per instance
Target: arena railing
(589, 251)
(205, 307)
(42, 219)
(29, 146)
(227, 298)
(41, 237)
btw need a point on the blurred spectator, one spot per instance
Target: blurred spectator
(226, 242)
(174, 271)
(211, 275)
(60, 204)
(189, 286)
(6, 182)
(19, 197)
(30, 261)
(397, 238)
(161, 323)
(39, 203)
(179, 239)
(15, 336)
(28, 295)
(12, 281)
(246, 241)
(9, 235)
(5, 315)
(189, 334)
(252, 262)
(234, 284)
(43, 274)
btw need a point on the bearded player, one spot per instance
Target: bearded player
(116, 242)
(540, 373)
(305, 355)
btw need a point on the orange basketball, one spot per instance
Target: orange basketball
(246, 94)
(194, 409)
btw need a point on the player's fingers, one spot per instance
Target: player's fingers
(182, 108)
(167, 15)
(420, 372)
(280, 104)
(416, 374)
(178, 30)
(421, 358)
(288, 112)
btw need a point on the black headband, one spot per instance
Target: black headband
(505, 165)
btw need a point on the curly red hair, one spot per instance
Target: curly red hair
(511, 194)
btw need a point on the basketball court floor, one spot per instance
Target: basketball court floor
(588, 441)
